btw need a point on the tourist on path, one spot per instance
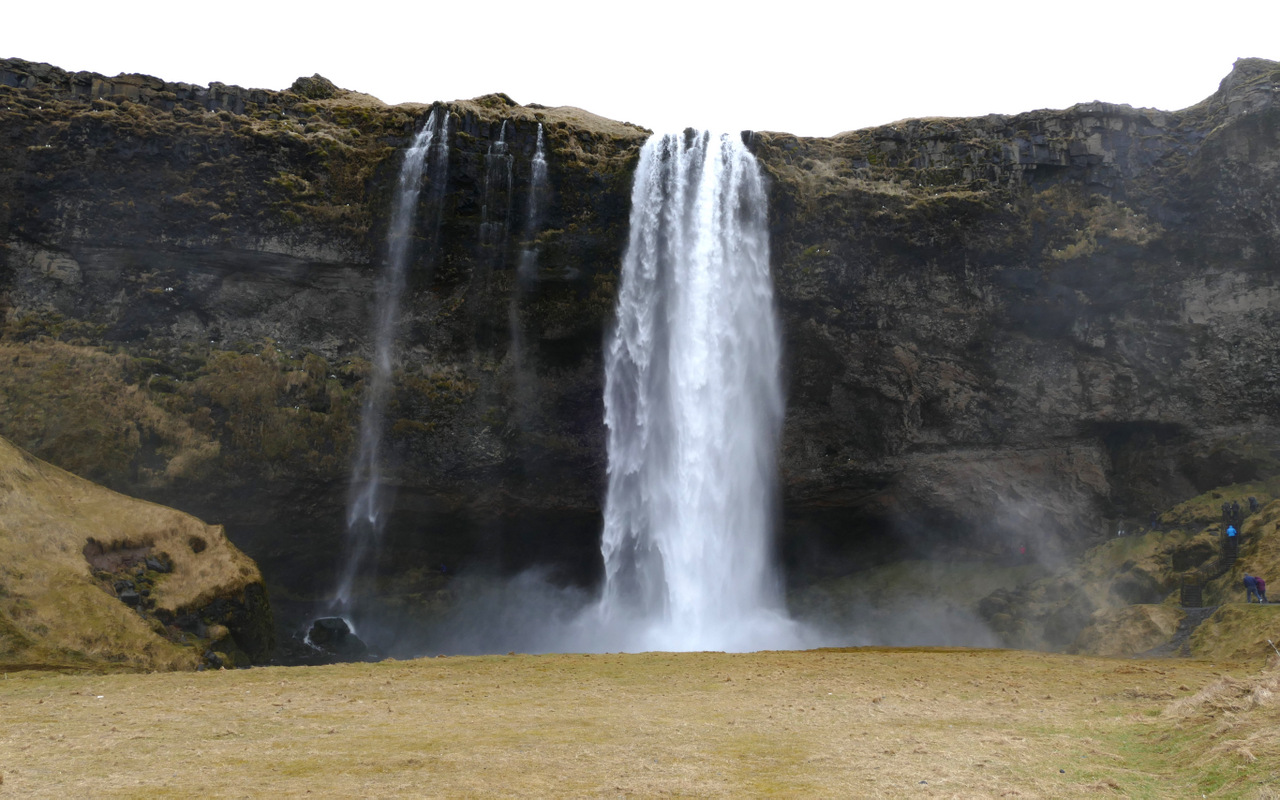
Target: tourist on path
(1262, 588)
(1251, 589)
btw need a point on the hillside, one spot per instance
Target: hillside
(91, 579)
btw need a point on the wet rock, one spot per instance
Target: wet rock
(334, 635)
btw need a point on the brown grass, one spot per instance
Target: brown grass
(828, 723)
(52, 608)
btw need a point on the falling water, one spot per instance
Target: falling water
(694, 407)
(526, 274)
(497, 190)
(528, 267)
(366, 501)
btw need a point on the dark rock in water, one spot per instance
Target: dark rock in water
(334, 635)
(328, 630)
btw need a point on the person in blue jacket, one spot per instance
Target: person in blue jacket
(1251, 589)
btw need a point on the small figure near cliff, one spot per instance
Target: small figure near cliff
(1262, 588)
(1226, 512)
(1251, 589)
(1253, 505)
(1231, 531)
(1235, 511)
(1154, 523)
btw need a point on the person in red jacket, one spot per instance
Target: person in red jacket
(1262, 589)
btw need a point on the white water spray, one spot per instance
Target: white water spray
(366, 498)
(694, 409)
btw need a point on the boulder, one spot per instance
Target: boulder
(335, 636)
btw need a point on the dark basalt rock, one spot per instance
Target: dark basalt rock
(335, 636)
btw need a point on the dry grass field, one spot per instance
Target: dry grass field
(827, 723)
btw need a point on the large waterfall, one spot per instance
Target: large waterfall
(366, 499)
(694, 407)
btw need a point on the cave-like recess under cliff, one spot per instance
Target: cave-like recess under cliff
(996, 329)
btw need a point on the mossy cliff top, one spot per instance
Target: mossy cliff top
(304, 170)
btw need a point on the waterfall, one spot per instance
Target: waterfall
(497, 189)
(527, 270)
(366, 498)
(525, 396)
(694, 408)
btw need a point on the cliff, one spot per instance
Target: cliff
(998, 329)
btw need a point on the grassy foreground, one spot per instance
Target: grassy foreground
(828, 723)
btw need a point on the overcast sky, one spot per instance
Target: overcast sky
(793, 65)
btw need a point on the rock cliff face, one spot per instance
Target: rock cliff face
(1032, 324)
(997, 329)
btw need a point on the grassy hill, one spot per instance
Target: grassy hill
(90, 578)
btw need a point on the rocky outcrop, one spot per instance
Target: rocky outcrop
(998, 330)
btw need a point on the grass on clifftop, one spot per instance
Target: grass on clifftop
(827, 723)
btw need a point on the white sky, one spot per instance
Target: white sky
(811, 68)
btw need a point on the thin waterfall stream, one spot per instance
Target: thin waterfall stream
(367, 498)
